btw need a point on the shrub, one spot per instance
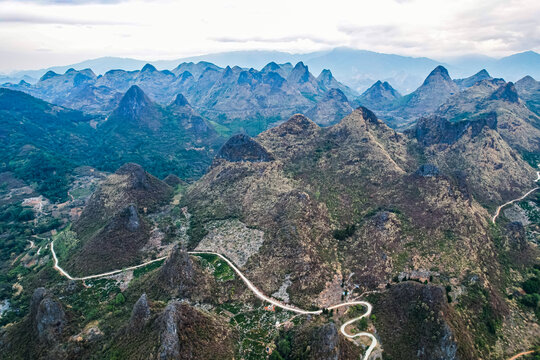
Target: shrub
(532, 285)
(530, 300)
(342, 234)
(119, 299)
(363, 324)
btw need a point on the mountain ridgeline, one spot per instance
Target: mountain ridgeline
(226, 95)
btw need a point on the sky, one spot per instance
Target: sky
(41, 33)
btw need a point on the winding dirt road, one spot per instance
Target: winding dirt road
(65, 273)
(253, 288)
(521, 354)
(494, 218)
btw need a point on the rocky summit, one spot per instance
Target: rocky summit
(243, 148)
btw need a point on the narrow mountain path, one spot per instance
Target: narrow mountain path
(253, 289)
(96, 276)
(518, 199)
(517, 356)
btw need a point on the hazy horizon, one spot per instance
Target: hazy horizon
(42, 33)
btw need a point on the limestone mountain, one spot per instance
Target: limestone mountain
(474, 154)
(328, 81)
(404, 111)
(437, 87)
(113, 228)
(379, 96)
(242, 148)
(273, 67)
(246, 94)
(516, 123)
(529, 90)
(140, 130)
(195, 69)
(471, 80)
(333, 107)
(135, 109)
(74, 89)
(304, 81)
(239, 99)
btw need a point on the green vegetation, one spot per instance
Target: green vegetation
(533, 158)
(196, 231)
(256, 328)
(64, 242)
(222, 271)
(532, 288)
(342, 234)
(146, 269)
(252, 126)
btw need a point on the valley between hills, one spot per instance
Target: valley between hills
(197, 213)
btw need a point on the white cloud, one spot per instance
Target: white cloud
(171, 29)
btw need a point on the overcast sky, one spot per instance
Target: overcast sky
(42, 33)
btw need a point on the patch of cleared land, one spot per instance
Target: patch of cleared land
(233, 239)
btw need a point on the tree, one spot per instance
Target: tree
(284, 347)
(363, 324)
(531, 286)
(119, 299)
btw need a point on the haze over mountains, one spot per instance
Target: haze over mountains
(359, 69)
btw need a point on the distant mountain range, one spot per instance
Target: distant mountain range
(237, 98)
(358, 69)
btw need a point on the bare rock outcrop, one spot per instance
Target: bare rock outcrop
(140, 314)
(177, 273)
(47, 315)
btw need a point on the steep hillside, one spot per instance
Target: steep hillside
(40, 142)
(113, 227)
(474, 153)
(331, 222)
(517, 125)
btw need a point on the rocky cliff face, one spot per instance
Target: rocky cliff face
(140, 315)
(177, 273)
(187, 333)
(507, 92)
(48, 317)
